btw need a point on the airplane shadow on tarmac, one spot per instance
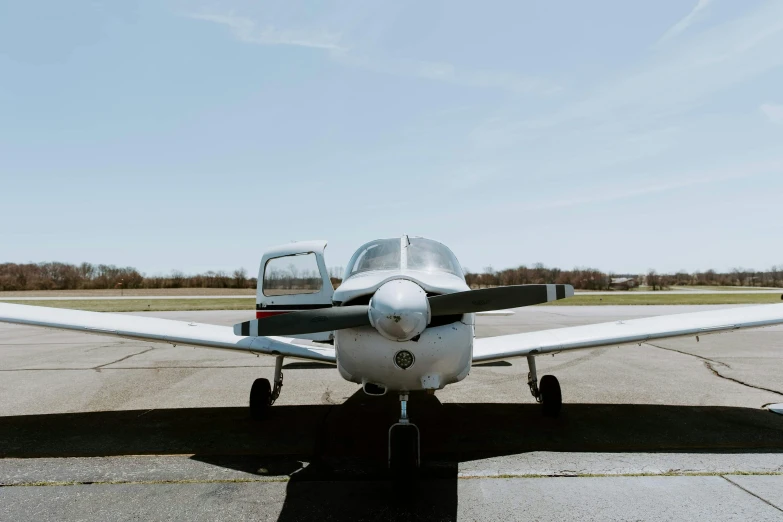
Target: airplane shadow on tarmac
(335, 455)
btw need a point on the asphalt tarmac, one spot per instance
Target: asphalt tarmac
(95, 428)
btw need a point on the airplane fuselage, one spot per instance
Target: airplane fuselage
(441, 354)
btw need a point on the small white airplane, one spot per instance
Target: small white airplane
(402, 320)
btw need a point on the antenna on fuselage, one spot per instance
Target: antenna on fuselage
(405, 242)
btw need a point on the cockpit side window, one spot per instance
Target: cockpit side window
(383, 254)
(431, 256)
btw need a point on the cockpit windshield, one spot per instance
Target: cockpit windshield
(418, 254)
(383, 254)
(431, 256)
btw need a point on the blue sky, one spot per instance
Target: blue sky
(192, 135)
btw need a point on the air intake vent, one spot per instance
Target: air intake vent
(374, 389)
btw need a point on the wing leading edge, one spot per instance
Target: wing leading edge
(159, 330)
(485, 350)
(620, 333)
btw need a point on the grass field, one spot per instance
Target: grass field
(155, 305)
(702, 288)
(148, 305)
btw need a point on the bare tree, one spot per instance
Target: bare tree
(653, 279)
(240, 278)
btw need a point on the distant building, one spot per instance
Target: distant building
(623, 283)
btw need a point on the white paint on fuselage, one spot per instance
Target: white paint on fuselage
(443, 355)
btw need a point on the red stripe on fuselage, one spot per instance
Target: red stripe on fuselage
(261, 314)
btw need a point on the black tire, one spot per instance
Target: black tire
(404, 450)
(260, 398)
(551, 397)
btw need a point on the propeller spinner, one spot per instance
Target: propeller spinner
(399, 310)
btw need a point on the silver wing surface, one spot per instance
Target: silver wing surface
(159, 330)
(625, 332)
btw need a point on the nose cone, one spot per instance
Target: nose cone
(399, 310)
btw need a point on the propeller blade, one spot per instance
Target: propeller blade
(498, 298)
(307, 321)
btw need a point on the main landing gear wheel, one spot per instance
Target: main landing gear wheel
(262, 395)
(547, 392)
(260, 398)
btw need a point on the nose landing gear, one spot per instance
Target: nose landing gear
(547, 392)
(263, 395)
(404, 440)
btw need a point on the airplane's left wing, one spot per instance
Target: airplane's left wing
(628, 332)
(159, 330)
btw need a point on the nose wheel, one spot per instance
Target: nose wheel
(404, 441)
(547, 392)
(263, 394)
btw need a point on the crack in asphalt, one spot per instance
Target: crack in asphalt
(326, 398)
(691, 354)
(122, 359)
(91, 368)
(597, 352)
(717, 373)
(708, 363)
(751, 493)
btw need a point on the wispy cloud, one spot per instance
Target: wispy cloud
(669, 85)
(354, 45)
(773, 112)
(486, 78)
(449, 73)
(685, 180)
(599, 194)
(684, 23)
(247, 30)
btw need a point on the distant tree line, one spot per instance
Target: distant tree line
(594, 279)
(64, 276)
(737, 277)
(86, 276)
(581, 278)
(300, 281)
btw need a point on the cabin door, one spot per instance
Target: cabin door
(294, 277)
